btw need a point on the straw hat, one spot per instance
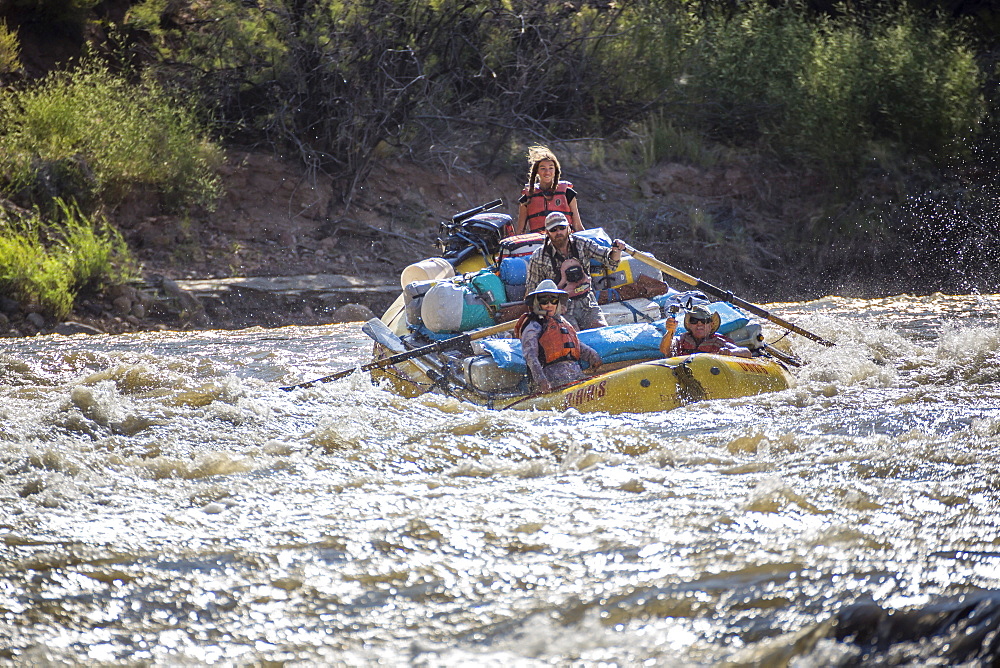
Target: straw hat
(702, 312)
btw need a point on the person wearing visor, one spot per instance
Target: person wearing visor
(701, 324)
(551, 348)
(565, 258)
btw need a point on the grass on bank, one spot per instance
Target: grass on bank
(78, 142)
(48, 263)
(92, 136)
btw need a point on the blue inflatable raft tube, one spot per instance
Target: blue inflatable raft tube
(618, 343)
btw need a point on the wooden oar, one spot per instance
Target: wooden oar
(723, 294)
(460, 341)
(784, 357)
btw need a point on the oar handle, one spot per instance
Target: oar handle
(723, 294)
(490, 331)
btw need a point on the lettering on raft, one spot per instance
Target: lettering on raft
(752, 367)
(586, 394)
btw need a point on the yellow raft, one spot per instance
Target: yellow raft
(661, 385)
(637, 386)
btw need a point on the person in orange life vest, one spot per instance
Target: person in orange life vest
(565, 258)
(545, 193)
(700, 337)
(550, 346)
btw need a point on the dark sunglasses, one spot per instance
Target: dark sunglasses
(699, 321)
(545, 299)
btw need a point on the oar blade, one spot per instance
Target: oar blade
(325, 379)
(383, 336)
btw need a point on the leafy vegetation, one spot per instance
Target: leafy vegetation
(75, 143)
(333, 81)
(10, 50)
(46, 263)
(830, 89)
(90, 136)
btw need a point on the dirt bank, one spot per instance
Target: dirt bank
(276, 220)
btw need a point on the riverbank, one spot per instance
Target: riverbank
(243, 263)
(162, 303)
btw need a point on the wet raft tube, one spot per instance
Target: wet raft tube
(665, 384)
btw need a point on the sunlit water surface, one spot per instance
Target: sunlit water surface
(164, 503)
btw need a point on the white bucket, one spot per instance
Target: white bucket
(431, 269)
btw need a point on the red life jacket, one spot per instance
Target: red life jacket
(540, 206)
(713, 344)
(557, 342)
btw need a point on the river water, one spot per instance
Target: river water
(164, 503)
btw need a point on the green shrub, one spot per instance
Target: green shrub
(89, 135)
(31, 276)
(928, 83)
(827, 88)
(49, 264)
(92, 250)
(744, 71)
(10, 50)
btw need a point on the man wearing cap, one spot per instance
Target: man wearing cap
(565, 259)
(700, 322)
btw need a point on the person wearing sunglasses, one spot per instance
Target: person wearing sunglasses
(701, 324)
(551, 349)
(564, 259)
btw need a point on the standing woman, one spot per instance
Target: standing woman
(545, 193)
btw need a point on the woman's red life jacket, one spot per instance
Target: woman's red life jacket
(557, 342)
(543, 202)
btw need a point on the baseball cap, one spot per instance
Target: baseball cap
(556, 219)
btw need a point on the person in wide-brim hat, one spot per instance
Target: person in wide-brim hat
(546, 287)
(702, 324)
(702, 312)
(551, 348)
